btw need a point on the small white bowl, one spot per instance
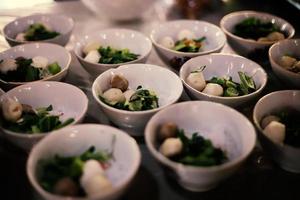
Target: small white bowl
(220, 65)
(282, 48)
(53, 52)
(286, 156)
(60, 23)
(247, 46)
(64, 98)
(165, 83)
(224, 126)
(119, 10)
(135, 41)
(76, 139)
(215, 38)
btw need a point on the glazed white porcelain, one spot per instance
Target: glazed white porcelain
(246, 46)
(225, 127)
(65, 98)
(215, 38)
(162, 81)
(119, 10)
(135, 41)
(286, 156)
(282, 48)
(53, 52)
(74, 140)
(59, 23)
(220, 65)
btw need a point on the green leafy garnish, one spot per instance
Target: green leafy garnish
(38, 31)
(114, 56)
(187, 45)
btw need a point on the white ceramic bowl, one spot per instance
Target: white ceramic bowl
(53, 52)
(76, 139)
(64, 98)
(224, 64)
(282, 48)
(162, 81)
(135, 41)
(286, 156)
(247, 46)
(215, 38)
(60, 23)
(225, 127)
(119, 10)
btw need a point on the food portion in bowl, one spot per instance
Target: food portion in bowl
(37, 32)
(283, 127)
(22, 118)
(121, 97)
(23, 69)
(256, 29)
(186, 42)
(196, 151)
(95, 53)
(76, 176)
(221, 86)
(290, 63)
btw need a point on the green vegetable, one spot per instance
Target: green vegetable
(40, 121)
(199, 151)
(54, 68)
(114, 56)
(38, 31)
(186, 45)
(54, 169)
(231, 92)
(254, 28)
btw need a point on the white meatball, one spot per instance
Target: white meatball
(91, 47)
(167, 42)
(8, 64)
(113, 96)
(91, 168)
(186, 34)
(213, 89)
(287, 61)
(11, 110)
(128, 94)
(275, 131)
(39, 62)
(21, 37)
(275, 36)
(171, 147)
(93, 56)
(196, 80)
(96, 185)
(268, 119)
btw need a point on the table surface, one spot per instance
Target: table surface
(259, 177)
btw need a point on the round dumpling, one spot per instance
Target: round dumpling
(93, 56)
(275, 131)
(196, 80)
(167, 42)
(8, 64)
(39, 62)
(186, 34)
(11, 110)
(287, 61)
(275, 36)
(113, 96)
(91, 47)
(171, 147)
(128, 94)
(213, 89)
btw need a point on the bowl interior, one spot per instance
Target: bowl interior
(162, 81)
(229, 21)
(225, 127)
(59, 23)
(75, 140)
(219, 65)
(53, 52)
(215, 38)
(43, 94)
(117, 38)
(286, 47)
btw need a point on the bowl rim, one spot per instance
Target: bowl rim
(251, 41)
(44, 44)
(70, 19)
(79, 43)
(139, 65)
(132, 172)
(40, 135)
(188, 53)
(179, 166)
(257, 123)
(276, 65)
(257, 91)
